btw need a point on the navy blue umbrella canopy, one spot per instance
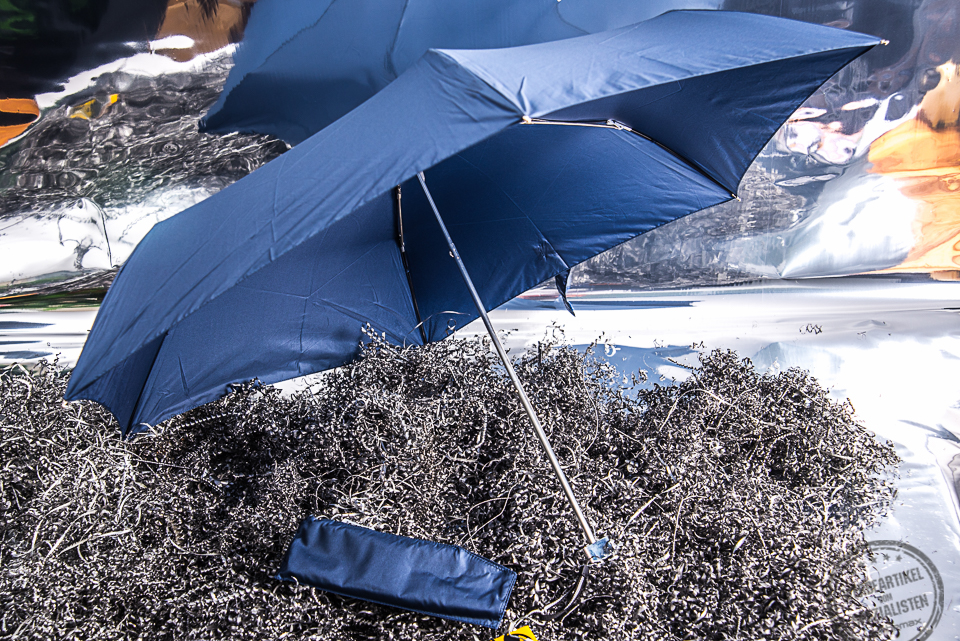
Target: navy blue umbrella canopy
(303, 64)
(538, 157)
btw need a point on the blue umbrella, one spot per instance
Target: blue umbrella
(513, 165)
(303, 64)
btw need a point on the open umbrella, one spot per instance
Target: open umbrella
(302, 64)
(513, 166)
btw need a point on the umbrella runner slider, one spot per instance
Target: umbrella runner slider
(596, 549)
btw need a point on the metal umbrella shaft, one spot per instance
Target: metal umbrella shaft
(524, 400)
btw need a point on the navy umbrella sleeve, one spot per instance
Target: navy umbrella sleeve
(412, 574)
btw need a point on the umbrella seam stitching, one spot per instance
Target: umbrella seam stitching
(264, 61)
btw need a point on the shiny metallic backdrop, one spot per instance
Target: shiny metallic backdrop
(119, 87)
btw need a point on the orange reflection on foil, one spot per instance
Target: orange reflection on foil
(211, 25)
(923, 156)
(23, 111)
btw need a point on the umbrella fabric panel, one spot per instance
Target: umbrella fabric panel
(229, 330)
(533, 201)
(482, 24)
(296, 316)
(357, 47)
(723, 130)
(435, 110)
(545, 78)
(713, 104)
(181, 264)
(432, 112)
(271, 90)
(120, 389)
(278, 93)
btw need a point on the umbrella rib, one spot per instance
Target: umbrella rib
(619, 126)
(355, 315)
(524, 400)
(136, 406)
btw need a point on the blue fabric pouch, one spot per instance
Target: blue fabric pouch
(431, 578)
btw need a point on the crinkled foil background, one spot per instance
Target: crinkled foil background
(864, 178)
(99, 103)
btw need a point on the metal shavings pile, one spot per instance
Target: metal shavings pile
(736, 501)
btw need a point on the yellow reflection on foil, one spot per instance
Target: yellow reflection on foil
(94, 108)
(923, 156)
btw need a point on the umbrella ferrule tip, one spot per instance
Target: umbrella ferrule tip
(599, 550)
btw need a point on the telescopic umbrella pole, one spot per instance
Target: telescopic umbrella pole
(594, 551)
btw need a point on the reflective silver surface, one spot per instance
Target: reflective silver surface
(865, 177)
(115, 148)
(84, 184)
